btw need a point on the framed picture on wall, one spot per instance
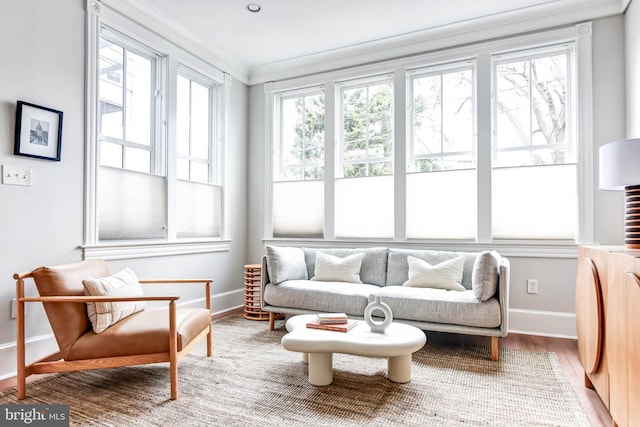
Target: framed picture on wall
(38, 131)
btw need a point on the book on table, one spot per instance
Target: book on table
(337, 327)
(332, 318)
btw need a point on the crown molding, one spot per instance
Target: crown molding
(167, 27)
(457, 34)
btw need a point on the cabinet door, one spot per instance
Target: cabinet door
(633, 316)
(621, 267)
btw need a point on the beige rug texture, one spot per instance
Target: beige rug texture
(252, 380)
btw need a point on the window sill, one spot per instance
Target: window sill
(128, 250)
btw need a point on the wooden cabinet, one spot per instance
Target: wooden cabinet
(608, 317)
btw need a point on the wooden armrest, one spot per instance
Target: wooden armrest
(172, 281)
(83, 299)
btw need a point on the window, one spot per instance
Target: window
(442, 166)
(366, 129)
(298, 203)
(131, 185)
(364, 185)
(156, 154)
(198, 193)
(534, 156)
(483, 144)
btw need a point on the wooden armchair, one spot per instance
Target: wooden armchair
(148, 336)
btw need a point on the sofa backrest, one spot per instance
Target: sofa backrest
(398, 266)
(374, 264)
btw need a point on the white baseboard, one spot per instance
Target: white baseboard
(42, 345)
(543, 323)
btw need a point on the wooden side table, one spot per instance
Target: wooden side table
(252, 307)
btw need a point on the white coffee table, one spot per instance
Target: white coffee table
(397, 343)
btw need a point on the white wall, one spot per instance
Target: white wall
(632, 55)
(551, 311)
(42, 45)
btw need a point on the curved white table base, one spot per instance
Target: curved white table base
(397, 344)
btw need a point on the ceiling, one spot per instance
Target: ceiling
(286, 30)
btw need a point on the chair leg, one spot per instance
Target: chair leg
(210, 342)
(495, 348)
(173, 351)
(20, 338)
(272, 320)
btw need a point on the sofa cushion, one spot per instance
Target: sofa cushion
(349, 298)
(440, 306)
(484, 279)
(122, 284)
(398, 266)
(446, 275)
(285, 263)
(331, 268)
(374, 264)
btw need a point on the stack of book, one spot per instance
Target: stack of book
(338, 322)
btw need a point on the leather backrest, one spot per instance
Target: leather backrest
(68, 320)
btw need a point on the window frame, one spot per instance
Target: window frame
(364, 82)
(214, 104)
(439, 70)
(278, 160)
(100, 17)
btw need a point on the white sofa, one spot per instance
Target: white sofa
(292, 284)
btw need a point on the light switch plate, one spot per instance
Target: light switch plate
(14, 175)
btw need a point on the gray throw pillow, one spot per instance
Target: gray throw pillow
(285, 263)
(484, 279)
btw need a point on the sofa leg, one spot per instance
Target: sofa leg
(272, 320)
(495, 348)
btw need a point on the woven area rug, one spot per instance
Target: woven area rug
(252, 380)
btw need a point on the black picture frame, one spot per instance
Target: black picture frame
(38, 132)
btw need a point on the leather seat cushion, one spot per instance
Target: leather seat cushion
(144, 332)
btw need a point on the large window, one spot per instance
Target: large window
(198, 191)
(364, 185)
(442, 164)
(534, 157)
(131, 183)
(484, 144)
(298, 203)
(156, 145)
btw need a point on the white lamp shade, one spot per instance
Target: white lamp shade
(620, 164)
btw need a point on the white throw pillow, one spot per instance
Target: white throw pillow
(122, 284)
(330, 268)
(446, 275)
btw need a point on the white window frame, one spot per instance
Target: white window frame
(481, 53)
(439, 70)
(278, 99)
(100, 15)
(343, 86)
(214, 125)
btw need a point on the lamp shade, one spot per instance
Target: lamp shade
(620, 170)
(620, 164)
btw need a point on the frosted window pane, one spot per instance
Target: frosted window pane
(298, 209)
(364, 207)
(535, 202)
(131, 205)
(138, 102)
(441, 205)
(199, 209)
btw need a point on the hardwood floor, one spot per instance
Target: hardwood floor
(565, 349)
